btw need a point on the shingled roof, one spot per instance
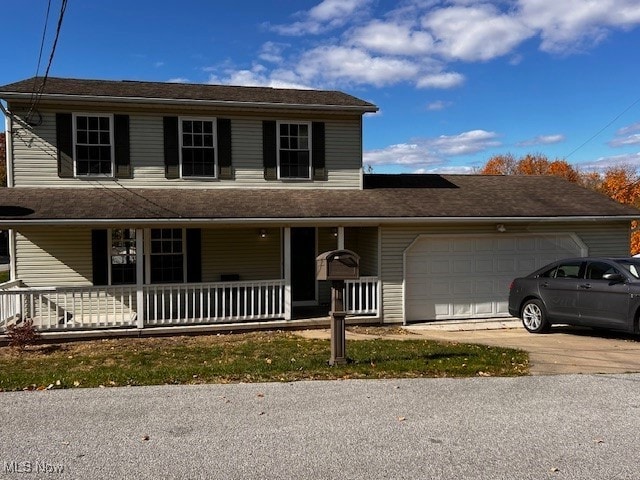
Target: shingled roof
(463, 197)
(74, 89)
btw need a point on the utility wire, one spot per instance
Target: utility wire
(35, 78)
(603, 128)
(63, 8)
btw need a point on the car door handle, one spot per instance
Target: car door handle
(586, 286)
(545, 285)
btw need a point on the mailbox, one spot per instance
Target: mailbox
(338, 265)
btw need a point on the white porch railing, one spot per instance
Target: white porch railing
(63, 308)
(213, 302)
(361, 296)
(70, 307)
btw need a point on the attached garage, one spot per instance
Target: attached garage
(468, 276)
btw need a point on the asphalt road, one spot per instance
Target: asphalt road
(555, 427)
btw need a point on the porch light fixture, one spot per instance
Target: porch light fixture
(501, 228)
(334, 231)
(263, 233)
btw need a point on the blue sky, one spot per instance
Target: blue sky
(456, 81)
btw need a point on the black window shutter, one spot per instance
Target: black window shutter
(194, 255)
(269, 153)
(171, 148)
(100, 257)
(317, 151)
(122, 151)
(225, 166)
(64, 141)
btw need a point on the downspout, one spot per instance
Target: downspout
(8, 137)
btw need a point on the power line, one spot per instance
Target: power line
(603, 128)
(63, 8)
(35, 78)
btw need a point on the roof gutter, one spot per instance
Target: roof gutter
(191, 102)
(306, 221)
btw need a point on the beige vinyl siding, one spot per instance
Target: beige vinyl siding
(54, 256)
(364, 241)
(242, 252)
(35, 155)
(601, 239)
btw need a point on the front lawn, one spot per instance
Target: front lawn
(246, 357)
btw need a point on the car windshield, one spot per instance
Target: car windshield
(631, 266)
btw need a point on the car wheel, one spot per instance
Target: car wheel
(534, 318)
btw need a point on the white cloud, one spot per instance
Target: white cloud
(392, 39)
(327, 15)
(478, 32)
(451, 169)
(438, 105)
(542, 140)
(629, 135)
(568, 24)
(258, 77)
(178, 80)
(335, 64)
(272, 52)
(433, 151)
(603, 163)
(440, 80)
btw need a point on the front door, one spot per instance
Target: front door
(303, 265)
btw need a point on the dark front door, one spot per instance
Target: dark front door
(303, 264)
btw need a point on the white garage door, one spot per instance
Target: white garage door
(464, 276)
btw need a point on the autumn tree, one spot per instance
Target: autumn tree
(535, 164)
(621, 183)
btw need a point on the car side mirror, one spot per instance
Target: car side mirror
(613, 277)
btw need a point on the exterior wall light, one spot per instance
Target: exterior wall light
(263, 233)
(334, 231)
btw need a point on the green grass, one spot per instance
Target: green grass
(251, 357)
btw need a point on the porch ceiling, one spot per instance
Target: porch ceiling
(464, 197)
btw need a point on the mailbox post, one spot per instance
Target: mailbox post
(338, 266)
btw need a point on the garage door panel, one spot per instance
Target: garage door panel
(469, 277)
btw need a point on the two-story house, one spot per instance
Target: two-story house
(140, 204)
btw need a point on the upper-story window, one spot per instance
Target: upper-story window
(93, 148)
(198, 147)
(294, 150)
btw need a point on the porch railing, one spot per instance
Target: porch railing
(213, 302)
(361, 296)
(69, 307)
(63, 308)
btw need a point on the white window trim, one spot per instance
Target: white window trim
(214, 121)
(111, 142)
(309, 177)
(147, 255)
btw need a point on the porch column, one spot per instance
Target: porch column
(140, 277)
(287, 273)
(340, 238)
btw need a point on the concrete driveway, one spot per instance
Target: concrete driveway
(564, 350)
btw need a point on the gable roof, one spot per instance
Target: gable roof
(164, 92)
(464, 198)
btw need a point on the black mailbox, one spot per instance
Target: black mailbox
(338, 265)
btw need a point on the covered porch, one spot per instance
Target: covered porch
(228, 275)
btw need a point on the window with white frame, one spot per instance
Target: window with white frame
(294, 150)
(93, 147)
(166, 256)
(122, 254)
(198, 147)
